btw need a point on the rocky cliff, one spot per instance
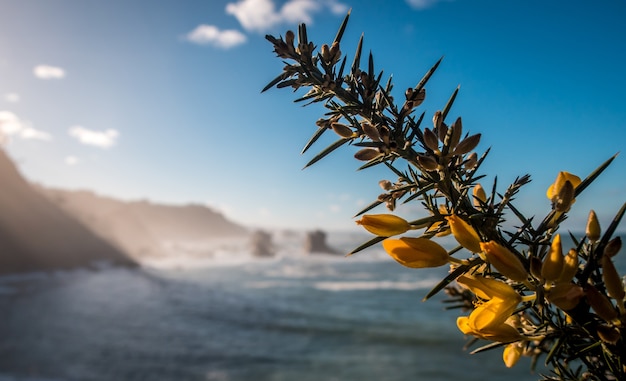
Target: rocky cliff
(37, 235)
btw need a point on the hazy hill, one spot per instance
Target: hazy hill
(143, 228)
(35, 234)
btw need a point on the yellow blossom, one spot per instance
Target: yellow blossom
(561, 193)
(480, 197)
(553, 262)
(488, 288)
(600, 304)
(490, 320)
(416, 252)
(570, 267)
(464, 233)
(384, 225)
(507, 263)
(512, 354)
(593, 227)
(612, 280)
(566, 296)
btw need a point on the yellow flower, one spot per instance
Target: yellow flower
(507, 263)
(464, 233)
(566, 296)
(512, 354)
(553, 263)
(490, 319)
(593, 227)
(612, 280)
(384, 225)
(416, 252)
(480, 197)
(488, 288)
(600, 304)
(561, 192)
(570, 267)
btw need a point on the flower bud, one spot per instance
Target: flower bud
(457, 132)
(562, 198)
(566, 296)
(613, 247)
(370, 131)
(570, 267)
(442, 131)
(289, 38)
(384, 225)
(437, 119)
(609, 334)
(553, 262)
(535, 266)
(408, 94)
(471, 161)
(416, 252)
(325, 52)
(335, 52)
(427, 162)
(593, 227)
(430, 140)
(507, 263)
(480, 197)
(366, 154)
(512, 353)
(385, 184)
(342, 130)
(464, 233)
(467, 145)
(612, 280)
(600, 304)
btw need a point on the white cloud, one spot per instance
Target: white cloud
(12, 97)
(261, 15)
(256, 15)
(71, 160)
(48, 72)
(102, 139)
(209, 34)
(31, 133)
(296, 11)
(12, 125)
(337, 8)
(423, 4)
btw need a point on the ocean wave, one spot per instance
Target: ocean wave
(375, 285)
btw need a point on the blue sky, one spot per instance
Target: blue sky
(161, 99)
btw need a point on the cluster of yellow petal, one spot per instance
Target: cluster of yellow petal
(384, 225)
(561, 192)
(408, 251)
(507, 263)
(490, 320)
(464, 233)
(416, 252)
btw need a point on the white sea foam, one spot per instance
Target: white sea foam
(375, 285)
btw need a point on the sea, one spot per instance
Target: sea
(228, 316)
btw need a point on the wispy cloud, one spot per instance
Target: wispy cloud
(12, 126)
(12, 97)
(262, 15)
(423, 4)
(102, 139)
(211, 35)
(48, 72)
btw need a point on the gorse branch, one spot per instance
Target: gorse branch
(524, 293)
